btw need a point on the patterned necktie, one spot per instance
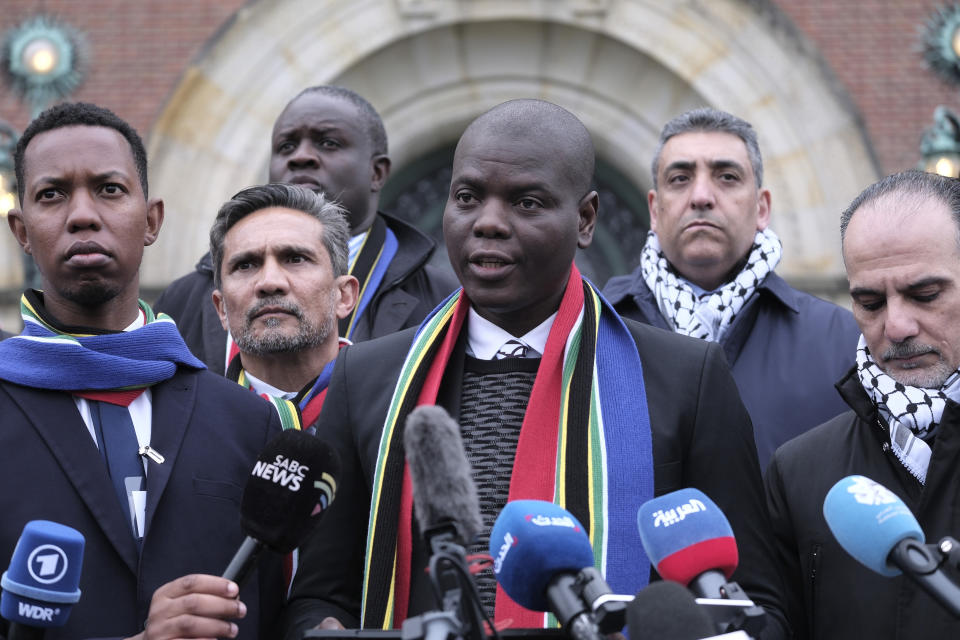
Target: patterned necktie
(512, 349)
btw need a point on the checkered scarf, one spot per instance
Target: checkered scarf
(709, 315)
(912, 413)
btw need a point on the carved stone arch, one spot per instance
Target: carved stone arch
(430, 66)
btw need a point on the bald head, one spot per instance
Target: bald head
(557, 132)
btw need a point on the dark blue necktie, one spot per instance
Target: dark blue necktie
(120, 450)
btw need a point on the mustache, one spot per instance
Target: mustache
(279, 303)
(907, 350)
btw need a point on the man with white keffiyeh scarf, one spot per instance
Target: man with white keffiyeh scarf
(901, 248)
(707, 271)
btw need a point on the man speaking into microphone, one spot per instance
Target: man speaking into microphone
(532, 362)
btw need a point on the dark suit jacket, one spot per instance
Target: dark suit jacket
(702, 438)
(410, 290)
(209, 430)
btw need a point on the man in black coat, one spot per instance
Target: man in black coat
(331, 140)
(520, 204)
(109, 425)
(901, 248)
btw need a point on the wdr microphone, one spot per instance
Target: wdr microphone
(42, 583)
(689, 541)
(875, 527)
(292, 483)
(544, 561)
(667, 610)
(443, 490)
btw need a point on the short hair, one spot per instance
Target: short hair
(336, 230)
(709, 119)
(71, 114)
(552, 126)
(919, 184)
(374, 123)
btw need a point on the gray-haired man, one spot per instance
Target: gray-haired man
(707, 270)
(279, 254)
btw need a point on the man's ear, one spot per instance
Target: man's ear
(154, 221)
(763, 209)
(349, 288)
(652, 208)
(221, 308)
(588, 207)
(19, 229)
(381, 171)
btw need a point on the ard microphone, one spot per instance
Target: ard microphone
(292, 483)
(875, 527)
(544, 561)
(443, 490)
(689, 540)
(42, 583)
(667, 611)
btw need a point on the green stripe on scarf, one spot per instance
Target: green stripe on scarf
(576, 354)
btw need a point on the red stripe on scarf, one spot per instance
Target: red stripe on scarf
(119, 398)
(534, 467)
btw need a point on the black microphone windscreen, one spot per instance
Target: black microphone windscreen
(666, 610)
(292, 483)
(443, 490)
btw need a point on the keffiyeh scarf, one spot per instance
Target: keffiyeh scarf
(706, 316)
(585, 444)
(911, 413)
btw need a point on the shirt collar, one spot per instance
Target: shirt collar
(484, 338)
(263, 388)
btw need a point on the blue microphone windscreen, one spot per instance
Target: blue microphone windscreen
(868, 520)
(531, 542)
(43, 580)
(684, 534)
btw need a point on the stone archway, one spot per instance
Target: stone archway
(430, 66)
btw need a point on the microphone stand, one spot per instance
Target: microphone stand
(462, 615)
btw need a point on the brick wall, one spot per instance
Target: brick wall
(139, 50)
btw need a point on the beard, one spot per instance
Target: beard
(930, 377)
(274, 340)
(90, 293)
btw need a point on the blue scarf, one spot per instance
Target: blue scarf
(46, 356)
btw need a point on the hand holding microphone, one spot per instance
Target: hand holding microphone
(290, 486)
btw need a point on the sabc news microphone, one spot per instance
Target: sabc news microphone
(875, 527)
(448, 514)
(689, 541)
(42, 583)
(544, 561)
(292, 483)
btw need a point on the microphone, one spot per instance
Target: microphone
(291, 485)
(544, 561)
(874, 526)
(443, 490)
(666, 610)
(42, 584)
(448, 514)
(689, 541)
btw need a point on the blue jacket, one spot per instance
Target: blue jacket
(786, 349)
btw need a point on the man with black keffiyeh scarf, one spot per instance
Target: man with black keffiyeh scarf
(707, 271)
(901, 248)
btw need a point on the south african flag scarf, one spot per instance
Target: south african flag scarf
(585, 444)
(47, 356)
